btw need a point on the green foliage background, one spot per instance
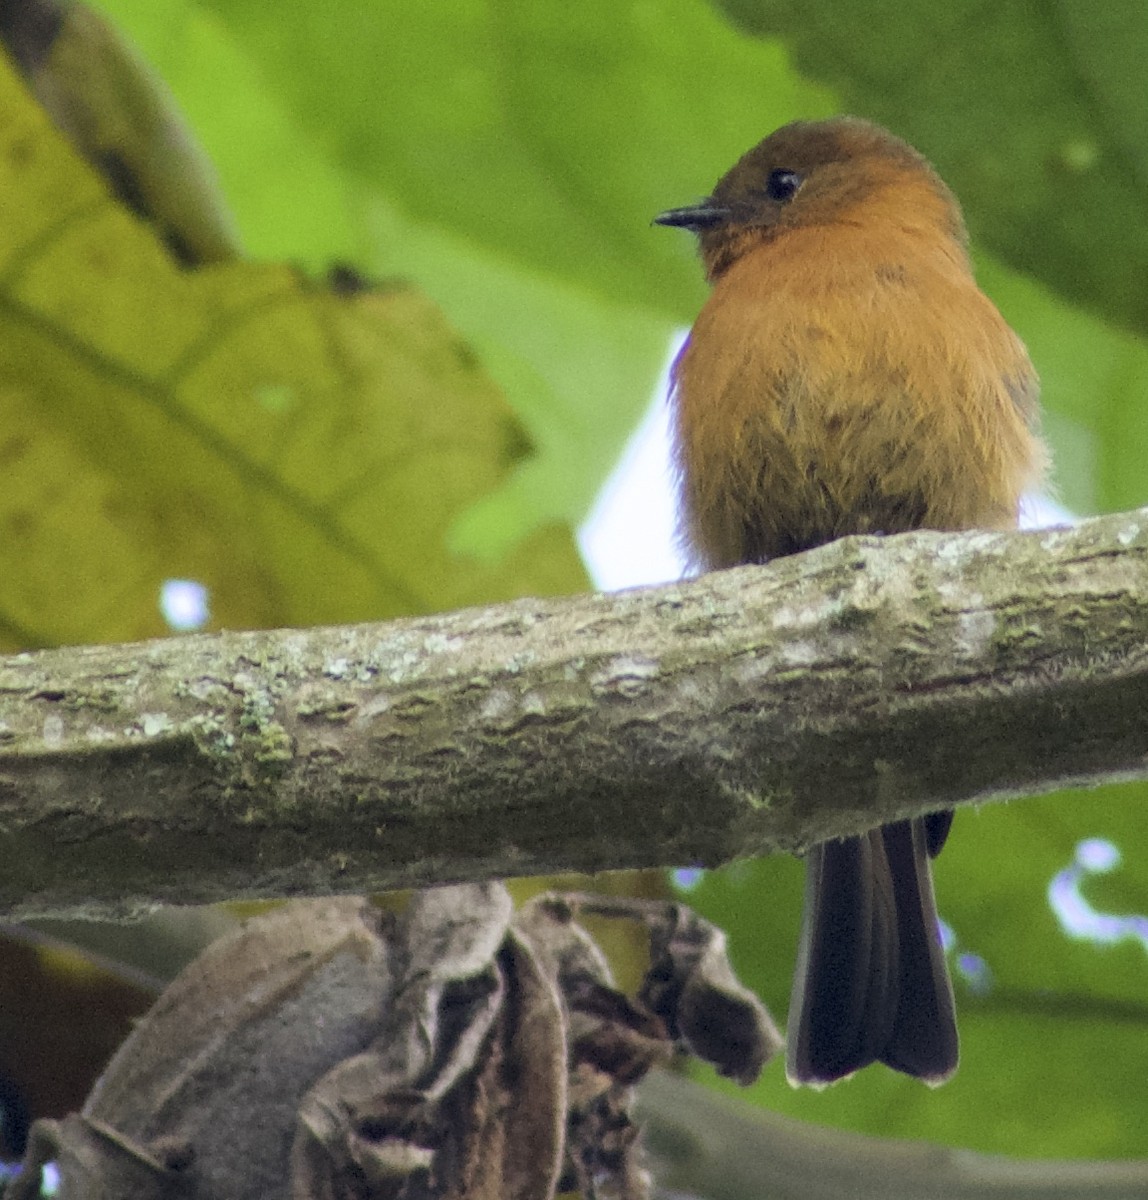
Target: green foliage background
(505, 160)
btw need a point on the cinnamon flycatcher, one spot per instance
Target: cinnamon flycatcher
(847, 375)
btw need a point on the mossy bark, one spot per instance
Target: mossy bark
(746, 712)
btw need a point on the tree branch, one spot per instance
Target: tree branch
(746, 712)
(702, 1144)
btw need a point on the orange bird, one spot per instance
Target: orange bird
(847, 375)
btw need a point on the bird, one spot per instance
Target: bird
(846, 375)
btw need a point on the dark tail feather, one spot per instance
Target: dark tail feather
(937, 826)
(924, 1041)
(871, 982)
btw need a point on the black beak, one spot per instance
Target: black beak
(698, 216)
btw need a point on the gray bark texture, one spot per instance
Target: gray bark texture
(743, 713)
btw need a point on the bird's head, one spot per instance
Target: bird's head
(843, 170)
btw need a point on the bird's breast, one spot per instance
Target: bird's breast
(819, 396)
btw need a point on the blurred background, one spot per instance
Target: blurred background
(327, 313)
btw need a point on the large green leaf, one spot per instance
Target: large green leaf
(303, 451)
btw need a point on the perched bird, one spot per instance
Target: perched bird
(847, 375)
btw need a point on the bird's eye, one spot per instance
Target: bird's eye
(782, 184)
